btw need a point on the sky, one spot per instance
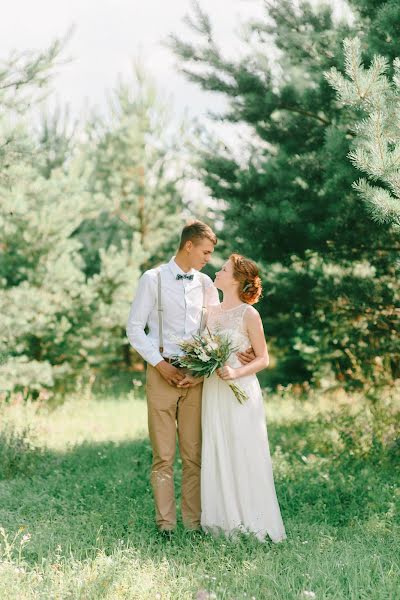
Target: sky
(109, 34)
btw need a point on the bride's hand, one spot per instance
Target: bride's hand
(226, 373)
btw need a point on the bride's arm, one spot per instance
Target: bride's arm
(253, 323)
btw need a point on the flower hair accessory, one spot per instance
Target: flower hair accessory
(246, 287)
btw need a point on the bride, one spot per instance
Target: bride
(237, 485)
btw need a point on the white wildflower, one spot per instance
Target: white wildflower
(19, 570)
(211, 346)
(204, 357)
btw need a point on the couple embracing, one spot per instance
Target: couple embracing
(227, 480)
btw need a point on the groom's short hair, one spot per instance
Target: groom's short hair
(195, 231)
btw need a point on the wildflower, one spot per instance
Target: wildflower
(19, 570)
(25, 538)
(211, 346)
(203, 355)
(309, 594)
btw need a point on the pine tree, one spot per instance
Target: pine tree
(44, 299)
(56, 139)
(57, 324)
(138, 167)
(376, 150)
(24, 79)
(74, 220)
(328, 270)
(379, 26)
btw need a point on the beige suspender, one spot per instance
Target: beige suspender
(160, 319)
(160, 309)
(203, 308)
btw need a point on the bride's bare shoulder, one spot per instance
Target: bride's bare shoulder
(251, 315)
(251, 311)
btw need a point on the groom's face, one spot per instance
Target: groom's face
(200, 253)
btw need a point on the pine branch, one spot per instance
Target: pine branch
(305, 113)
(382, 207)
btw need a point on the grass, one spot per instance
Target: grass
(76, 509)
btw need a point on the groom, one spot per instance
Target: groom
(171, 301)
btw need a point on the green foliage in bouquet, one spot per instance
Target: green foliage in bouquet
(204, 354)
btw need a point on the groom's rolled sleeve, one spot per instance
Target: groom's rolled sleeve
(139, 313)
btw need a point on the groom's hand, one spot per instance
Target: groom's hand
(246, 356)
(171, 374)
(190, 381)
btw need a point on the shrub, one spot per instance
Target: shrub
(18, 452)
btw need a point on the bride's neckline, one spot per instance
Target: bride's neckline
(229, 309)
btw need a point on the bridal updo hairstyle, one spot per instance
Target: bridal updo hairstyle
(245, 271)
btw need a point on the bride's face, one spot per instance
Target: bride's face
(224, 279)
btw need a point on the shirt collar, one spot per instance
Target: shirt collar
(176, 270)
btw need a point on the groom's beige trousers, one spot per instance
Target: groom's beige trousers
(172, 410)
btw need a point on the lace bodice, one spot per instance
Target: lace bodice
(230, 322)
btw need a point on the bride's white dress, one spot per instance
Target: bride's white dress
(237, 485)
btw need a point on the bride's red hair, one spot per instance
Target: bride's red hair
(245, 271)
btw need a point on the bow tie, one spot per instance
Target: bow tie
(190, 277)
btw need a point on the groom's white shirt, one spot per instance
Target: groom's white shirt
(181, 303)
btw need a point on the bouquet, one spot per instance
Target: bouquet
(204, 354)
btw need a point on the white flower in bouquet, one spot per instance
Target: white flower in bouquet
(204, 357)
(211, 345)
(204, 354)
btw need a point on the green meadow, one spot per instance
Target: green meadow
(76, 508)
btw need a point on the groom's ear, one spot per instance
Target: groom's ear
(189, 246)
